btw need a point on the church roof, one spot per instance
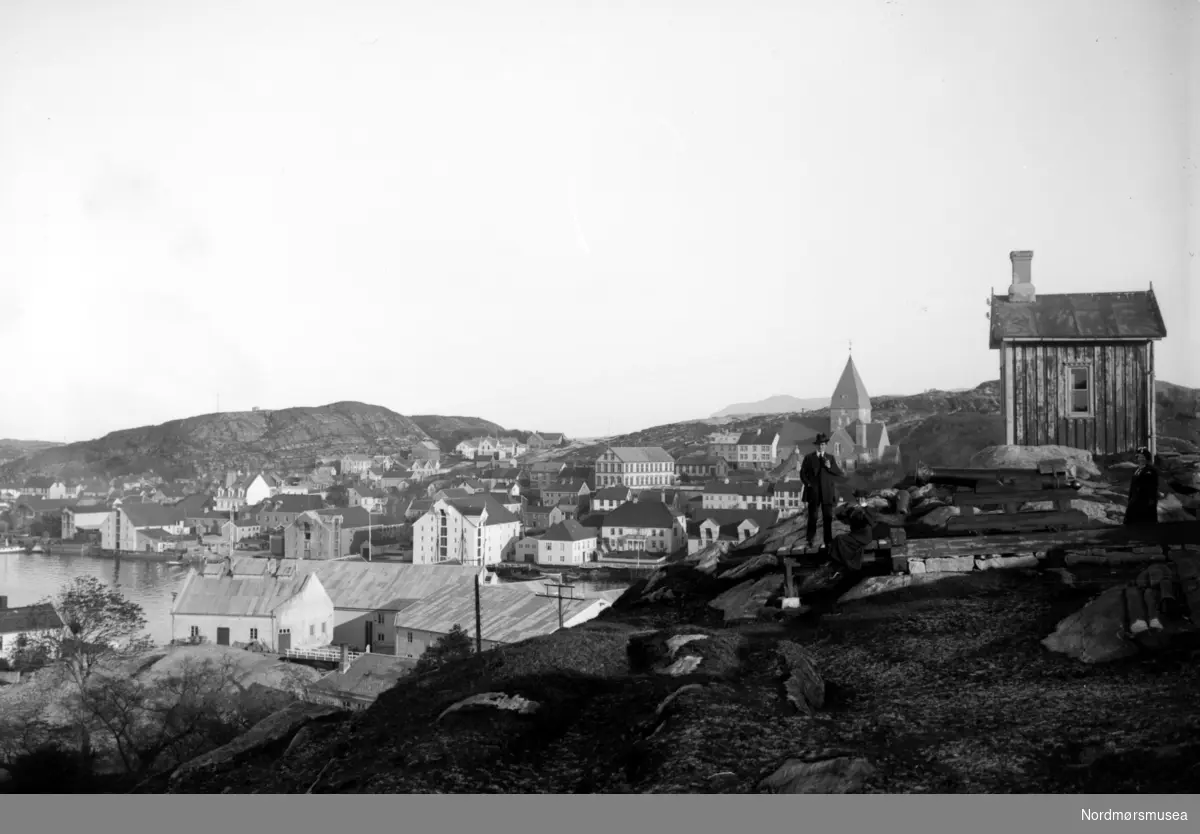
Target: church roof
(850, 391)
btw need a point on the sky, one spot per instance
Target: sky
(555, 217)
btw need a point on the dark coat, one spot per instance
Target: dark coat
(819, 484)
(848, 548)
(1143, 496)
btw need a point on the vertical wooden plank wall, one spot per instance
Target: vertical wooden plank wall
(1040, 391)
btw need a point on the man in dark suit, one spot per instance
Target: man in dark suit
(817, 473)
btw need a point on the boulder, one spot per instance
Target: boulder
(950, 564)
(1170, 508)
(844, 774)
(276, 728)
(1095, 633)
(874, 585)
(1079, 462)
(1098, 511)
(803, 685)
(493, 700)
(936, 518)
(744, 601)
(754, 564)
(1000, 562)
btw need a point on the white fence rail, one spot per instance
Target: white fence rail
(330, 655)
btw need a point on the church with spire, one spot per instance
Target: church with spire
(854, 437)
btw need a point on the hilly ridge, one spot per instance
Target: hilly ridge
(209, 443)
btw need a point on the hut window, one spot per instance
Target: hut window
(1079, 391)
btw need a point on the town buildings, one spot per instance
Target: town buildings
(121, 529)
(25, 625)
(476, 530)
(636, 467)
(241, 491)
(758, 449)
(651, 527)
(259, 603)
(367, 595)
(513, 615)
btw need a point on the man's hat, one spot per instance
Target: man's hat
(820, 438)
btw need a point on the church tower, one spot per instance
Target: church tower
(850, 401)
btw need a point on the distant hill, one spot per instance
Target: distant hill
(211, 443)
(943, 428)
(778, 404)
(11, 449)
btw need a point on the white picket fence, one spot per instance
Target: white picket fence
(329, 655)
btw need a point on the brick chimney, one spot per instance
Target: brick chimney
(1022, 289)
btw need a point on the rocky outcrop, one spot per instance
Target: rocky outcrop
(275, 730)
(840, 774)
(803, 685)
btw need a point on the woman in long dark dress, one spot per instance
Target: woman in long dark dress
(1143, 491)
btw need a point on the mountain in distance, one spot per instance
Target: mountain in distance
(211, 443)
(777, 404)
(11, 449)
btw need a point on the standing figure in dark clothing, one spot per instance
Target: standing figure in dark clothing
(1143, 492)
(817, 473)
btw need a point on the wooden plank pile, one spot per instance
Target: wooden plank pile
(1009, 489)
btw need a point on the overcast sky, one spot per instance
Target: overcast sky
(570, 220)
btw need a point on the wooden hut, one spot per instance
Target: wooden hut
(1076, 369)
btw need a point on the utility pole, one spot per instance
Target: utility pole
(559, 587)
(478, 619)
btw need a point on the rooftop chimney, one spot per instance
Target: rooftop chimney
(1021, 289)
(345, 663)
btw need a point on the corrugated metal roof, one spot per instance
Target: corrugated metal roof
(508, 615)
(375, 586)
(241, 595)
(1085, 316)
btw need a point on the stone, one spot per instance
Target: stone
(754, 564)
(936, 518)
(682, 666)
(674, 644)
(744, 601)
(1001, 562)
(1097, 511)
(844, 774)
(916, 566)
(803, 685)
(670, 699)
(496, 700)
(1170, 508)
(724, 781)
(708, 558)
(274, 729)
(1094, 634)
(1079, 462)
(874, 585)
(950, 564)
